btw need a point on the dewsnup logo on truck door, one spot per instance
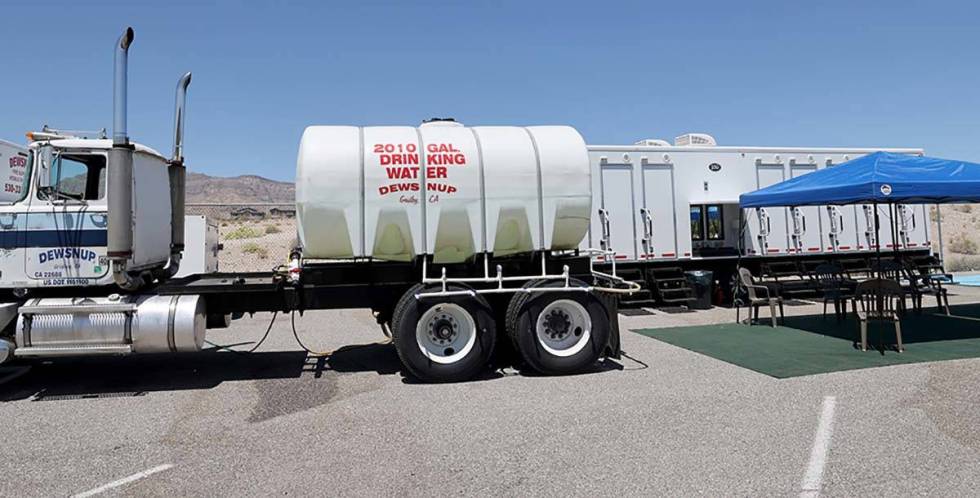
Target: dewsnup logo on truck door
(66, 265)
(401, 164)
(62, 257)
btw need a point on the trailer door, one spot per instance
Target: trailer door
(805, 229)
(837, 226)
(771, 229)
(913, 226)
(840, 227)
(888, 235)
(657, 219)
(617, 210)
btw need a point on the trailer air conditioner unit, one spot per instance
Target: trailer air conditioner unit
(695, 140)
(652, 142)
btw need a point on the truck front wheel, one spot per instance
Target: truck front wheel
(558, 332)
(443, 339)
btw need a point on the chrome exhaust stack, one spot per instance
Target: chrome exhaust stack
(179, 105)
(178, 174)
(120, 175)
(120, 88)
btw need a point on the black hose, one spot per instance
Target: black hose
(264, 337)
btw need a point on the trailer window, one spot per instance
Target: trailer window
(715, 226)
(697, 222)
(78, 177)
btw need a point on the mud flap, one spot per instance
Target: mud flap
(611, 302)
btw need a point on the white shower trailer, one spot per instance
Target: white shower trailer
(659, 205)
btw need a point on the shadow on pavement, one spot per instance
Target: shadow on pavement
(105, 377)
(928, 326)
(97, 377)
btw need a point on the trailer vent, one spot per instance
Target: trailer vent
(652, 142)
(695, 140)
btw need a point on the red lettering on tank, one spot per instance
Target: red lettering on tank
(402, 173)
(433, 172)
(392, 159)
(459, 159)
(434, 147)
(441, 187)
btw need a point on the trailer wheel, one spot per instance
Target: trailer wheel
(443, 339)
(558, 332)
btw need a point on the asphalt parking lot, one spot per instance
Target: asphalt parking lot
(665, 421)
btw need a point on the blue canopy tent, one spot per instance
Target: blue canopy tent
(878, 178)
(881, 177)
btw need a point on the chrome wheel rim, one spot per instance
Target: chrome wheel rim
(563, 327)
(446, 333)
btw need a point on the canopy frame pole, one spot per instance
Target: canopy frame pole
(877, 240)
(741, 247)
(741, 233)
(896, 241)
(939, 226)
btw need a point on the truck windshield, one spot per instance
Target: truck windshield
(79, 177)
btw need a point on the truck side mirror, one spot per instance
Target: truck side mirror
(47, 158)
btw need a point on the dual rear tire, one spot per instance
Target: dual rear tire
(452, 338)
(557, 332)
(443, 339)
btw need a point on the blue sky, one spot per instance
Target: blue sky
(749, 73)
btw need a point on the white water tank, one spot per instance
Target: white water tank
(501, 189)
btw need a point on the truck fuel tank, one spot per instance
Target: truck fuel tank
(110, 325)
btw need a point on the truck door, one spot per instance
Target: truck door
(805, 229)
(657, 218)
(771, 230)
(617, 215)
(65, 236)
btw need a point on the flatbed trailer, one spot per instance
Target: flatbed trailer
(376, 285)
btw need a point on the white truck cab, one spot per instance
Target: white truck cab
(92, 211)
(55, 230)
(89, 226)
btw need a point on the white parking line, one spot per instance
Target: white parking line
(821, 445)
(125, 480)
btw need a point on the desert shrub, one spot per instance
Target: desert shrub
(960, 244)
(253, 248)
(960, 264)
(964, 208)
(242, 232)
(272, 229)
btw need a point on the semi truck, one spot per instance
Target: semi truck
(461, 240)
(456, 238)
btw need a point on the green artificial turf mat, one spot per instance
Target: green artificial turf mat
(807, 345)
